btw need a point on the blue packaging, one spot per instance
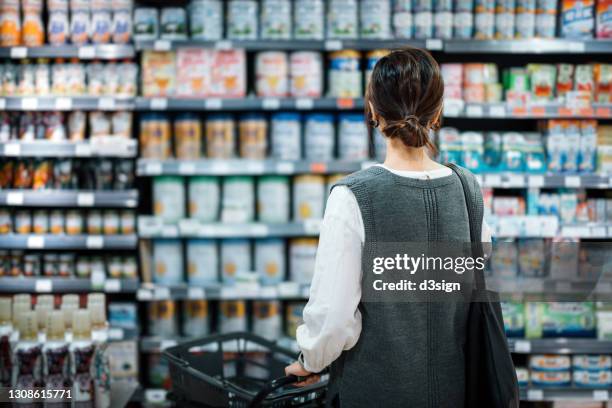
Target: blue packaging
(577, 19)
(473, 151)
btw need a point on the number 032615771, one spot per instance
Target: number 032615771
(40, 394)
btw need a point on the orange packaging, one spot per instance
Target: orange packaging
(33, 32)
(10, 24)
(158, 73)
(193, 70)
(474, 74)
(603, 83)
(228, 75)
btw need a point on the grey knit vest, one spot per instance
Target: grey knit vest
(408, 354)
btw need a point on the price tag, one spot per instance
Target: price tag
(14, 198)
(159, 103)
(319, 168)
(434, 44)
(333, 45)
(229, 292)
(304, 103)
(535, 395)
(162, 293)
(601, 395)
(87, 52)
(522, 346)
(35, 242)
(312, 227)
(162, 45)
(29, 103)
(285, 168)
(268, 292)
(187, 168)
(115, 333)
(213, 103)
(451, 110)
(19, 52)
(112, 286)
(169, 231)
(94, 242)
(12, 149)
(82, 150)
(474, 111)
(85, 199)
(144, 294)
(270, 103)
(195, 293)
(155, 396)
(43, 286)
(288, 289)
(515, 180)
(575, 46)
(598, 232)
(255, 167)
(166, 344)
(2, 103)
(223, 45)
(106, 103)
(572, 181)
(497, 111)
(97, 279)
(258, 230)
(220, 167)
(63, 103)
(153, 168)
(492, 180)
(535, 181)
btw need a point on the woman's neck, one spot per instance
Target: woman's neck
(408, 158)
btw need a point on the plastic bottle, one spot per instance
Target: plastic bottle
(55, 353)
(27, 356)
(6, 329)
(101, 365)
(81, 357)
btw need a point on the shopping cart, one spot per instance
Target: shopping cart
(237, 370)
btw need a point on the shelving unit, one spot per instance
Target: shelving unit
(66, 285)
(85, 52)
(65, 103)
(106, 146)
(67, 198)
(68, 242)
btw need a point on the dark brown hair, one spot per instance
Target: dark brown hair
(406, 90)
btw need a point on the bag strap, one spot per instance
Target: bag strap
(474, 220)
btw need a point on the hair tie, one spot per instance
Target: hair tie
(412, 117)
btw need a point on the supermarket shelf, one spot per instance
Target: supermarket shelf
(155, 344)
(66, 285)
(248, 103)
(65, 103)
(565, 394)
(529, 46)
(34, 241)
(546, 226)
(67, 198)
(84, 52)
(518, 180)
(459, 109)
(560, 346)
(252, 290)
(109, 146)
(154, 227)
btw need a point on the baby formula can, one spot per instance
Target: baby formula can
(253, 129)
(146, 23)
(187, 137)
(173, 23)
(546, 18)
(306, 69)
(206, 19)
(242, 20)
(276, 19)
(238, 202)
(443, 24)
(273, 199)
(484, 20)
(232, 316)
(270, 260)
(267, 321)
(167, 261)
(235, 258)
(272, 73)
(423, 24)
(302, 253)
(308, 197)
(375, 19)
(204, 198)
(169, 198)
(202, 261)
(195, 318)
(353, 137)
(319, 137)
(220, 137)
(403, 26)
(463, 24)
(345, 78)
(308, 19)
(342, 19)
(162, 318)
(80, 23)
(286, 136)
(293, 316)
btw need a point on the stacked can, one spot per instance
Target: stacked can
(423, 19)
(504, 19)
(484, 21)
(546, 18)
(443, 19)
(403, 25)
(525, 18)
(463, 19)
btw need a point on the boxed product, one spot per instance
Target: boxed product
(603, 81)
(577, 18)
(604, 149)
(603, 24)
(522, 374)
(123, 358)
(123, 315)
(551, 378)
(228, 74)
(193, 69)
(604, 324)
(560, 319)
(158, 73)
(549, 362)
(592, 379)
(514, 318)
(591, 362)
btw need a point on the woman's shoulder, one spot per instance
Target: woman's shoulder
(360, 176)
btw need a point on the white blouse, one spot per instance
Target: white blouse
(332, 321)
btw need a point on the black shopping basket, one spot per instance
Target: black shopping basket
(237, 370)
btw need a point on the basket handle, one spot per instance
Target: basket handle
(271, 386)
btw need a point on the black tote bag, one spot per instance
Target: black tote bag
(490, 377)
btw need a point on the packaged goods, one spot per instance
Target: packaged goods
(228, 74)
(293, 317)
(238, 200)
(220, 137)
(352, 137)
(473, 152)
(187, 136)
(549, 362)
(195, 318)
(202, 261)
(80, 23)
(270, 261)
(375, 18)
(514, 318)
(273, 199)
(235, 258)
(345, 77)
(543, 79)
(232, 316)
(146, 23)
(546, 18)
(81, 356)
(253, 133)
(40, 222)
(592, 379)
(308, 197)
(155, 136)
(33, 32)
(167, 261)
(591, 362)
(443, 24)
(463, 25)
(101, 22)
(603, 82)
(56, 222)
(267, 321)
(110, 221)
(604, 19)
(577, 18)
(173, 23)
(193, 69)
(127, 222)
(423, 24)
(121, 26)
(306, 70)
(484, 19)
(242, 20)
(158, 73)
(204, 198)
(286, 136)
(403, 26)
(565, 319)
(342, 19)
(158, 373)
(504, 19)
(308, 19)
(588, 146)
(525, 18)
(23, 222)
(121, 314)
(206, 19)
(276, 19)
(74, 222)
(522, 375)
(162, 318)
(551, 378)
(27, 360)
(272, 73)
(531, 257)
(302, 252)
(319, 137)
(168, 198)
(10, 24)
